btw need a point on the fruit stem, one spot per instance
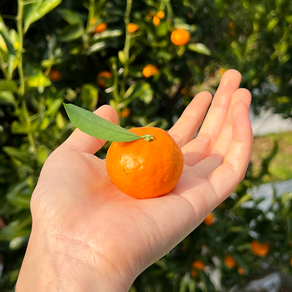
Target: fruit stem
(148, 138)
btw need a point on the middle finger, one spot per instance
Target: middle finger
(202, 145)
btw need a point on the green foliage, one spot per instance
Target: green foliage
(51, 54)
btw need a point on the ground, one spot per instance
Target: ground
(280, 166)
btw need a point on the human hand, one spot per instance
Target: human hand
(89, 236)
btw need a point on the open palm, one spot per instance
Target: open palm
(76, 203)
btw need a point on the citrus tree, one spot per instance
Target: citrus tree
(147, 59)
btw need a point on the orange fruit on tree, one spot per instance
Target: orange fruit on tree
(125, 112)
(156, 20)
(180, 37)
(229, 261)
(132, 27)
(231, 24)
(100, 28)
(150, 70)
(198, 265)
(184, 91)
(222, 206)
(209, 220)
(194, 273)
(240, 271)
(222, 71)
(160, 14)
(233, 32)
(259, 249)
(145, 169)
(2, 224)
(55, 75)
(102, 77)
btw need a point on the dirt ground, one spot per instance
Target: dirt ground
(280, 166)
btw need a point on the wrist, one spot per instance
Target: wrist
(55, 262)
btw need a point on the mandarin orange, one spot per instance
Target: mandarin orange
(103, 77)
(180, 37)
(100, 28)
(125, 112)
(198, 265)
(229, 261)
(132, 27)
(241, 271)
(194, 273)
(55, 75)
(222, 71)
(160, 14)
(209, 220)
(143, 169)
(156, 20)
(259, 249)
(150, 70)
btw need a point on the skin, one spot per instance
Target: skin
(88, 236)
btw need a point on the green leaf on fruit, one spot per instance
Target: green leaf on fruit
(96, 126)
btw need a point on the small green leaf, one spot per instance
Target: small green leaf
(5, 35)
(110, 33)
(164, 54)
(6, 97)
(162, 29)
(16, 153)
(70, 16)
(8, 85)
(71, 32)
(44, 123)
(200, 48)
(139, 89)
(272, 23)
(37, 9)
(89, 96)
(38, 80)
(146, 93)
(8, 233)
(17, 243)
(19, 194)
(60, 121)
(96, 126)
(243, 199)
(19, 128)
(54, 107)
(289, 19)
(20, 199)
(96, 47)
(121, 56)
